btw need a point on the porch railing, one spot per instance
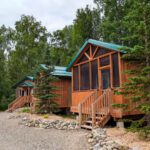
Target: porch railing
(19, 102)
(84, 107)
(101, 106)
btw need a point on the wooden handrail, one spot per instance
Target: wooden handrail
(19, 102)
(101, 106)
(84, 107)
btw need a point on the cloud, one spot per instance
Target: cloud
(54, 14)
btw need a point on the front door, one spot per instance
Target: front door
(105, 78)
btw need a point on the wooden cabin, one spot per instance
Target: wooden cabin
(97, 71)
(63, 83)
(24, 90)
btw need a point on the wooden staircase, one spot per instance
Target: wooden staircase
(94, 111)
(20, 102)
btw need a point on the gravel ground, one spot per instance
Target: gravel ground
(17, 137)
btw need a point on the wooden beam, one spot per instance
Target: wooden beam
(104, 55)
(87, 55)
(90, 74)
(79, 76)
(95, 51)
(120, 68)
(111, 71)
(90, 51)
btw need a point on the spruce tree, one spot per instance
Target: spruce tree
(137, 89)
(45, 92)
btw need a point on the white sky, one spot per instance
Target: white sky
(54, 14)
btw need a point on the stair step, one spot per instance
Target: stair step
(88, 121)
(86, 127)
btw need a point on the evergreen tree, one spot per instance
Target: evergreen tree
(112, 27)
(45, 92)
(137, 89)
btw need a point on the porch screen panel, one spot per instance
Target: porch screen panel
(94, 69)
(104, 61)
(82, 59)
(100, 52)
(85, 77)
(115, 66)
(76, 78)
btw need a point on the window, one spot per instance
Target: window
(75, 78)
(94, 69)
(104, 61)
(115, 66)
(82, 59)
(85, 77)
(101, 51)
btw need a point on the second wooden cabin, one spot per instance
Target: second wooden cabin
(25, 89)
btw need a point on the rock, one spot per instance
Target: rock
(90, 140)
(90, 135)
(96, 147)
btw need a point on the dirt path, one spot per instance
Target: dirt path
(17, 137)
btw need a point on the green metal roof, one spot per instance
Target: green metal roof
(58, 71)
(22, 81)
(111, 46)
(26, 84)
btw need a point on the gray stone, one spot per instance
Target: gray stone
(96, 147)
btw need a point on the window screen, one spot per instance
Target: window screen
(94, 70)
(100, 51)
(75, 78)
(115, 66)
(105, 78)
(104, 61)
(85, 77)
(82, 59)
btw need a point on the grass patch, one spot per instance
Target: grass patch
(46, 116)
(25, 110)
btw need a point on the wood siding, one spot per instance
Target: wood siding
(64, 92)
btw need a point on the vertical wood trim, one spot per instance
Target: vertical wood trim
(95, 51)
(90, 74)
(111, 71)
(99, 76)
(120, 69)
(90, 51)
(79, 76)
(72, 79)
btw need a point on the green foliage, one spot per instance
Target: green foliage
(45, 92)
(25, 110)
(123, 106)
(46, 116)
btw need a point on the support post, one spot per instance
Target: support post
(80, 114)
(93, 116)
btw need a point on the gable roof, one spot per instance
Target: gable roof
(58, 71)
(21, 82)
(26, 84)
(111, 46)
